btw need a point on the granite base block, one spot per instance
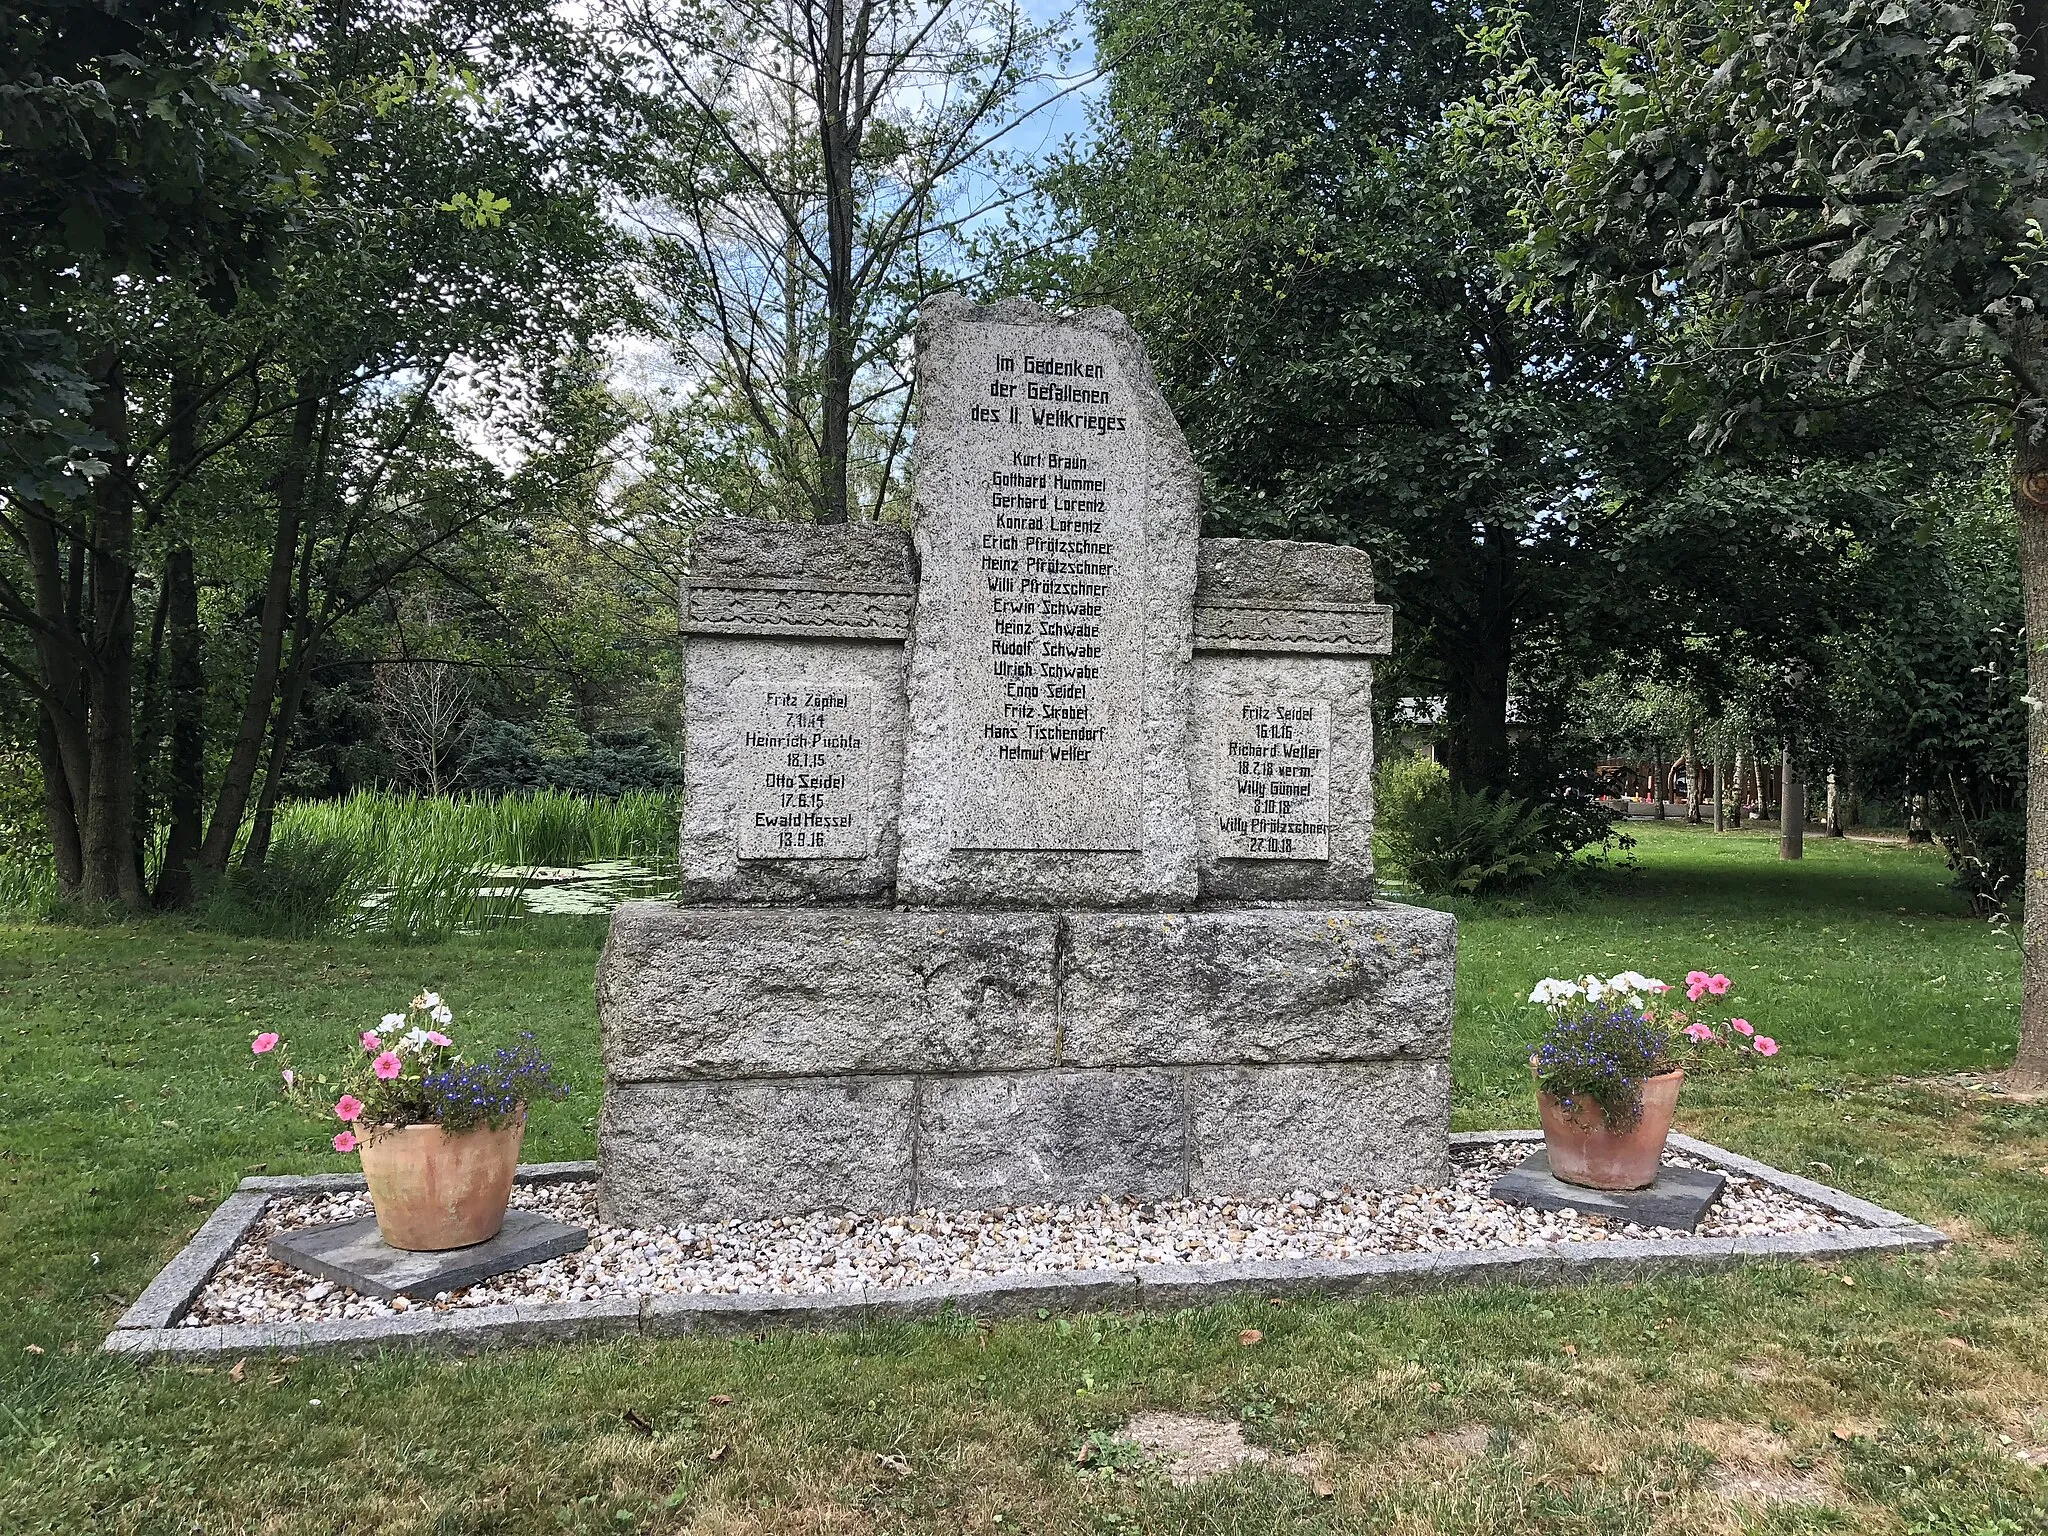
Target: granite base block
(1678, 1198)
(765, 1062)
(354, 1254)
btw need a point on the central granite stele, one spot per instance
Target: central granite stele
(1026, 854)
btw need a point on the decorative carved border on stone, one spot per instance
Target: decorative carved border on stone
(796, 609)
(1348, 629)
(994, 1297)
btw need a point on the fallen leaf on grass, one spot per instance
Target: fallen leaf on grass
(1849, 1280)
(895, 1464)
(239, 1371)
(634, 1419)
(1249, 1337)
(722, 1400)
(1572, 1350)
(195, 1199)
(1943, 1312)
(1322, 1487)
(35, 1349)
(718, 1455)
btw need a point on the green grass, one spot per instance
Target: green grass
(1880, 1387)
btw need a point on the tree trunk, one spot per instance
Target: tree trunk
(107, 839)
(240, 774)
(1791, 807)
(1720, 796)
(1735, 787)
(1476, 739)
(2030, 501)
(839, 145)
(1834, 811)
(258, 847)
(187, 771)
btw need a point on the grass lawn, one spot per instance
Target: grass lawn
(1879, 1396)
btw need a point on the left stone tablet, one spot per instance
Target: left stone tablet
(793, 753)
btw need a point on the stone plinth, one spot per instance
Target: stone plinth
(763, 1063)
(1678, 1197)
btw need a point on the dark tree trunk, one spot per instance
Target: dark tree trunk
(2030, 501)
(1476, 748)
(186, 774)
(239, 777)
(107, 839)
(1720, 797)
(839, 131)
(258, 847)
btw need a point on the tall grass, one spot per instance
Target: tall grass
(434, 865)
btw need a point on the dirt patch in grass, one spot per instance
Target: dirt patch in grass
(1460, 1444)
(1189, 1449)
(1757, 1485)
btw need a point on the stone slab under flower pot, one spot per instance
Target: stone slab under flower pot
(351, 1253)
(1678, 1198)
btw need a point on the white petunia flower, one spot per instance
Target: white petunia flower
(415, 1039)
(393, 1020)
(430, 999)
(1551, 991)
(443, 1017)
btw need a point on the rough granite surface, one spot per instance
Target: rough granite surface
(1043, 1137)
(670, 1152)
(1269, 1130)
(1281, 573)
(1136, 844)
(725, 992)
(1257, 984)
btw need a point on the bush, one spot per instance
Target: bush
(1987, 855)
(306, 885)
(1453, 842)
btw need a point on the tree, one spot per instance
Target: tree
(1801, 211)
(284, 452)
(829, 162)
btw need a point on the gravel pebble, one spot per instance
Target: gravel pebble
(836, 1253)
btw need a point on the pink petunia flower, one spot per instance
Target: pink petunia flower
(264, 1043)
(348, 1107)
(1766, 1046)
(345, 1142)
(387, 1066)
(435, 1037)
(370, 1040)
(1695, 991)
(1695, 978)
(1660, 987)
(1742, 1026)
(290, 1077)
(1717, 984)
(1699, 1034)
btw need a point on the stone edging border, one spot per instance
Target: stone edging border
(149, 1328)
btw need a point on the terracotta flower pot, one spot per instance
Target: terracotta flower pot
(432, 1190)
(1584, 1151)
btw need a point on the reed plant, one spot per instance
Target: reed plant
(438, 865)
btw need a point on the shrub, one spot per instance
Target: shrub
(1453, 842)
(1988, 856)
(306, 885)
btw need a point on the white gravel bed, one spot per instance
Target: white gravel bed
(847, 1254)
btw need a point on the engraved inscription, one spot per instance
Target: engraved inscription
(1270, 794)
(803, 762)
(1046, 550)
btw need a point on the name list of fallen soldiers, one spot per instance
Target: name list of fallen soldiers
(1271, 794)
(802, 770)
(1048, 652)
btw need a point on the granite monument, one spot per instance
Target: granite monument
(1027, 852)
